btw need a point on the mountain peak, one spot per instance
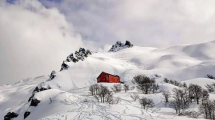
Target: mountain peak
(119, 46)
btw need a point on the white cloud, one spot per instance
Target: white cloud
(33, 40)
(144, 22)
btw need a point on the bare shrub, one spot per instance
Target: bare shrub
(117, 88)
(134, 96)
(192, 114)
(126, 88)
(109, 98)
(211, 88)
(116, 100)
(132, 88)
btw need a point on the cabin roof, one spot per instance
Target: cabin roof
(108, 74)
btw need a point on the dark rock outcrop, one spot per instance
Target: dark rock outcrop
(119, 45)
(27, 113)
(34, 102)
(64, 66)
(10, 116)
(52, 75)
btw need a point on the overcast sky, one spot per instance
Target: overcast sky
(37, 35)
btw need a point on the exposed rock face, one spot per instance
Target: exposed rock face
(64, 66)
(53, 75)
(10, 116)
(71, 58)
(34, 102)
(119, 46)
(81, 54)
(41, 87)
(27, 113)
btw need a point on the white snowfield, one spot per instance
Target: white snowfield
(69, 98)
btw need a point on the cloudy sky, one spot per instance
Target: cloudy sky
(37, 35)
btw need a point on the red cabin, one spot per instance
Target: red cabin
(108, 78)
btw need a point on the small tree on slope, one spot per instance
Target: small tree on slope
(144, 83)
(146, 103)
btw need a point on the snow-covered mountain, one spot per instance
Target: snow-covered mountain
(66, 95)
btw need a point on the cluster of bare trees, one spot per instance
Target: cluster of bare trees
(174, 82)
(180, 100)
(145, 84)
(94, 89)
(103, 94)
(184, 96)
(208, 109)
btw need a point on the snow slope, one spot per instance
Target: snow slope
(69, 97)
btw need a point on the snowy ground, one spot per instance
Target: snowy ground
(70, 99)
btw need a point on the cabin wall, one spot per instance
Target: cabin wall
(108, 78)
(103, 78)
(113, 79)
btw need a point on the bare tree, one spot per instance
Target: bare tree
(176, 106)
(166, 95)
(184, 85)
(103, 92)
(211, 88)
(195, 91)
(155, 88)
(205, 96)
(94, 89)
(144, 83)
(146, 103)
(208, 109)
(126, 88)
(109, 98)
(117, 88)
(180, 100)
(134, 96)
